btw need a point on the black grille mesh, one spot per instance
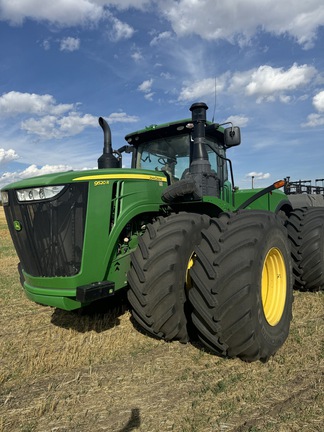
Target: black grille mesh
(51, 240)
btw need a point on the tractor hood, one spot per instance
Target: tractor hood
(84, 176)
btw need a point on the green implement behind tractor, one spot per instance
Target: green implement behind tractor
(198, 257)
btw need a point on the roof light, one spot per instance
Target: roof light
(38, 193)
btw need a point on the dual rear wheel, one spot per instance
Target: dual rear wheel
(306, 233)
(230, 278)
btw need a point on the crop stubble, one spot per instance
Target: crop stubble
(65, 371)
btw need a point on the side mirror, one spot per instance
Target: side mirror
(232, 136)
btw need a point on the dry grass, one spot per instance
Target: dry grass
(63, 371)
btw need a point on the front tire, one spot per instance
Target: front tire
(159, 272)
(242, 285)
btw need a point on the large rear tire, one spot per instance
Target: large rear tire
(306, 233)
(242, 285)
(159, 273)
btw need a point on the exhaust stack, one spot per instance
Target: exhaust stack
(107, 159)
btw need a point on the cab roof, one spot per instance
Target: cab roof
(179, 127)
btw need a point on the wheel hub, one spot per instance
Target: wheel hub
(273, 286)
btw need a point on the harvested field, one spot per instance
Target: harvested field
(67, 371)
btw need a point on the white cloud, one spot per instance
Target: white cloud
(201, 89)
(166, 75)
(160, 37)
(316, 119)
(56, 12)
(239, 21)
(53, 120)
(146, 86)
(258, 175)
(121, 117)
(74, 123)
(267, 83)
(46, 44)
(235, 21)
(137, 56)
(70, 44)
(58, 127)
(60, 12)
(318, 101)
(285, 98)
(31, 171)
(238, 120)
(7, 155)
(125, 4)
(149, 96)
(120, 30)
(44, 127)
(15, 103)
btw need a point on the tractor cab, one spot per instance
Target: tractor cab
(191, 149)
(170, 148)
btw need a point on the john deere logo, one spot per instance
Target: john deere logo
(17, 225)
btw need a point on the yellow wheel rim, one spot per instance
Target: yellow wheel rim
(189, 265)
(274, 286)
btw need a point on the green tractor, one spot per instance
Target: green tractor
(198, 257)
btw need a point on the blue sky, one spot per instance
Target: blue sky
(64, 63)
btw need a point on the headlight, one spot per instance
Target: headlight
(4, 197)
(39, 193)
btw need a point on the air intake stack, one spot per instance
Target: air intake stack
(200, 170)
(199, 157)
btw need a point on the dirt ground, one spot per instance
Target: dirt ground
(67, 371)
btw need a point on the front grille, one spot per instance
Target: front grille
(50, 242)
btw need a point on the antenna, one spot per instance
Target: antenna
(214, 101)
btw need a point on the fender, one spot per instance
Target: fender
(276, 185)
